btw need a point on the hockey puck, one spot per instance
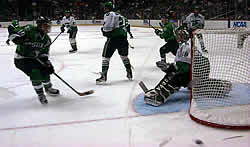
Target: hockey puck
(198, 141)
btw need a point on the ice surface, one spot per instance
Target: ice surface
(104, 119)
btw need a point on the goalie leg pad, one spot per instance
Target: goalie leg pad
(152, 97)
(161, 92)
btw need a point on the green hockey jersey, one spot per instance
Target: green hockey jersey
(31, 42)
(168, 32)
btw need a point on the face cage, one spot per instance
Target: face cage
(46, 27)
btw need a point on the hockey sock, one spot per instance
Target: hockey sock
(38, 87)
(47, 84)
(126, 62)
(240, 40)
(73, 43)
(105, 66)
(200, 38)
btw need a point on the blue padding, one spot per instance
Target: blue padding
(178, 101)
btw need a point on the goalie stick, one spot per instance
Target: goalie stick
(143, 86)
(191, 84)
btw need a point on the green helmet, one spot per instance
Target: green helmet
(108, 5)
(197, 8)
(15, 23)
(67, 11)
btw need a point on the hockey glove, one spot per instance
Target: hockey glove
(69, 30)
(62, 29)
(8, 42)
(48, 67)
(157, 32)
(171, 68)
(106, 34)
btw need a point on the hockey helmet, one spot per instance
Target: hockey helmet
(182, 35)
(15, 23)
(108, 5)
(196, 9)
(43, 23)
(67, 12)
(118, 11)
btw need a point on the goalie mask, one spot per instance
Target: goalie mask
(44, 24)
(182, 36)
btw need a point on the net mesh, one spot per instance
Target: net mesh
(221, 78)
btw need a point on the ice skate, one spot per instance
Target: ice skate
(42, 99)
(52, 91)
(72, 50)
(102, 80)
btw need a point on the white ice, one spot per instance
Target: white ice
(106, 118)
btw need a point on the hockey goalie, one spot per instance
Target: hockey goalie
(178, 75)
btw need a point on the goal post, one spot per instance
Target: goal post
(220, 71)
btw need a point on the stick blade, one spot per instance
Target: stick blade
(86, 93)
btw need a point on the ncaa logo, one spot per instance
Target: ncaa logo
(240, 24)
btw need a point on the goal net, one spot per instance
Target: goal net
(220, 95)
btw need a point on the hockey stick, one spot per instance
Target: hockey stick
(54, 39)
(152, 26)
(161, 24)
(143, 86)
(191, 84)
(79, 93)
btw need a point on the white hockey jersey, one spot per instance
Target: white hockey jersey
(111, 21)
(195, 22)
(184, 53)
(69, 22)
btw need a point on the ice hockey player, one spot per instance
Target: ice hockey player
(69, 22)
(177, 74)
(33, 44)
(14, 25)
(196, 21)
(116, 34)
(167, 33)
